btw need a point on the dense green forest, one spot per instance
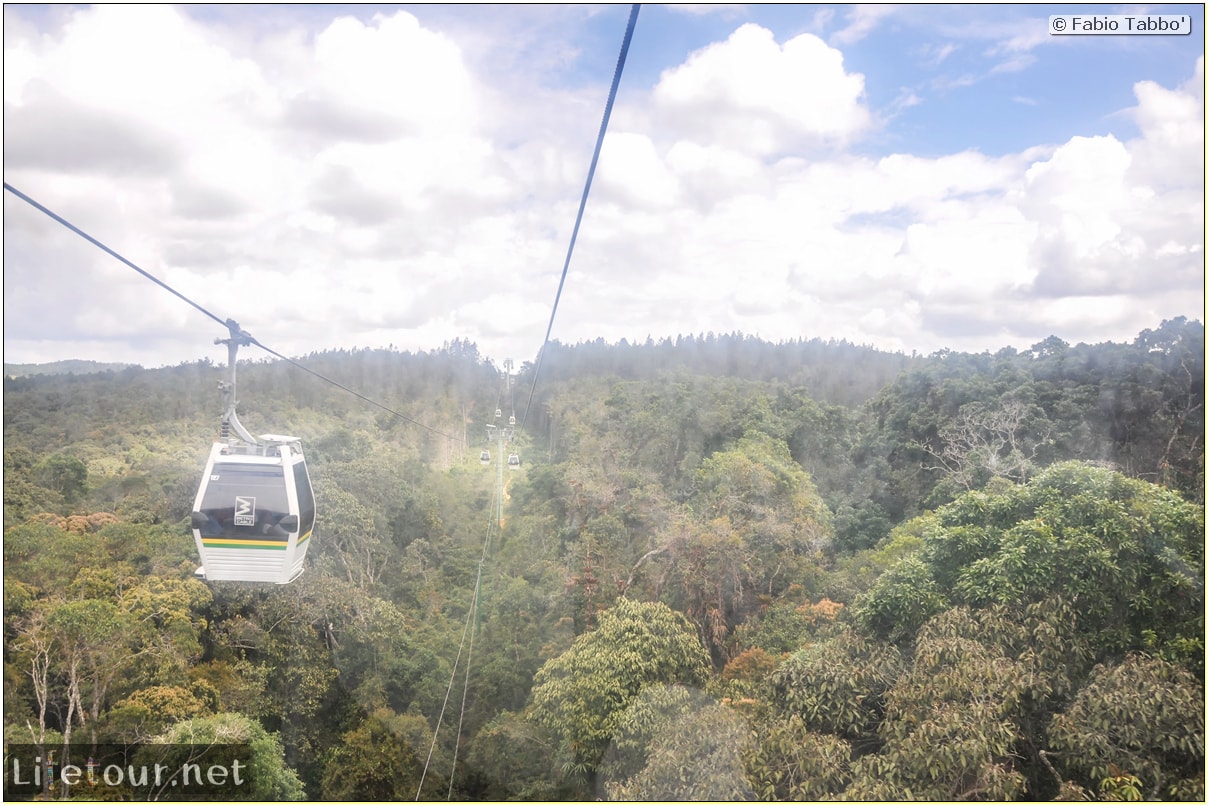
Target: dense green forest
(725, 570)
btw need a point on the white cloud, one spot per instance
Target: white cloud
(1080, 193)
(1171, 152)
(1122, 217)
(861, 20)
(395, 68)
(751, 94)
(362, 184)
(246, 199)
(1015, 63)
(711, 174)
(936, 54)
(702, 9)
(632, 173)
(936, 250)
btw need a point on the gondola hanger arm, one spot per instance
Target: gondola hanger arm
(230, 419)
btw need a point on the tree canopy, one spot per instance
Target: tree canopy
(725, 570)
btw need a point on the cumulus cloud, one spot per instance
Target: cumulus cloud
(1171, 152)
(51, 132)
(710, 174)
(1124, 217)
(362, 129)
(634, 175)
(751, 94)
(948, 250)
(367, 182)
(391, 78)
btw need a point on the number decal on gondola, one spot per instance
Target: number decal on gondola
(245, 510)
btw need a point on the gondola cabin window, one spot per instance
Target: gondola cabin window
(245, 502)
(306, 502)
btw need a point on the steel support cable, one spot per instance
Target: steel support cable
(339, 385)
(109, 251)
(511, 399)
(583, 202)
(448, 690)
(625, 46)
(457, 736)
(471, 615)
(227, 323)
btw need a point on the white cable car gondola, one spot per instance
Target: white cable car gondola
(514, 461)
(254, 513)
(485, 457)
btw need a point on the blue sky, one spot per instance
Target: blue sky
(334, 176)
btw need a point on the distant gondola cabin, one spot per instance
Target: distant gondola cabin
(254, 512)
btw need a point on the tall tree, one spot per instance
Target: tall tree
(1128, 555)
(582, 694)
(1142, 717)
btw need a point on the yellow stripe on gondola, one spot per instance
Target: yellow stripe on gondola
(229, 543)
(225, 543)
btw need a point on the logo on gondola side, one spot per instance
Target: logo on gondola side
(245, 510)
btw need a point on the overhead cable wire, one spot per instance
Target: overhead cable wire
(472, 616)
(474, 609)
(457, 736)
(355, 393)
(511, 395)
(109, 251)
(227, 323)
(448, 690)
(583, 202)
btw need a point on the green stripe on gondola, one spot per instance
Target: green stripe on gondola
(225, 543)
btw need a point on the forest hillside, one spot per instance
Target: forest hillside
(723, 569)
